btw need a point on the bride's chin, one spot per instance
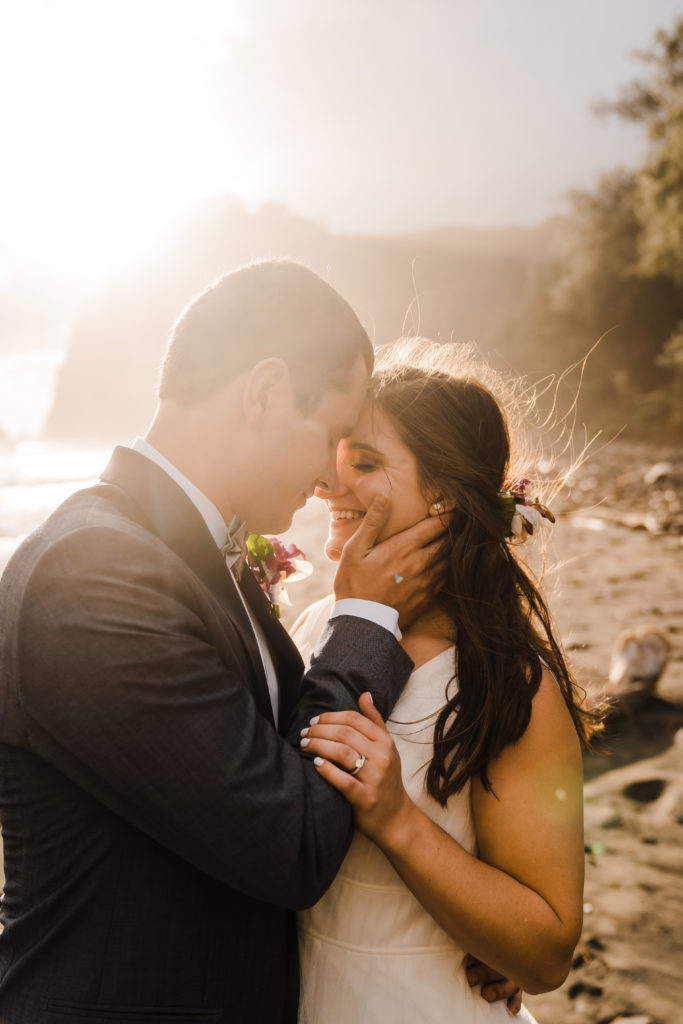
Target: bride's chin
(340, 530)
(333, 550)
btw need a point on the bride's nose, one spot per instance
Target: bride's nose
(330, 487)
(331, 482)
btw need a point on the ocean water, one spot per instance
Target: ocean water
(35, 475)
(27, 382)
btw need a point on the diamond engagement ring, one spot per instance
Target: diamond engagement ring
(360, 761)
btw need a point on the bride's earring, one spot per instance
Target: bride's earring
(436, 509)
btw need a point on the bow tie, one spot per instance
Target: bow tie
(235, 548)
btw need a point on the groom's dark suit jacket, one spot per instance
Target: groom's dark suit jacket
(158, 831)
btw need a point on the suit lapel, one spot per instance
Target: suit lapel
(288, 664)
(161, 506)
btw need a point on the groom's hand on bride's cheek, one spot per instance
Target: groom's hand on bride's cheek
(493, 987)
(403, 571)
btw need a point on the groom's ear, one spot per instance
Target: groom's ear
(267, 389)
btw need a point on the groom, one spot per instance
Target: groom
(160, 824)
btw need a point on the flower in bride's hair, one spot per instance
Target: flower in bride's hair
(273, 562)
(521, 513)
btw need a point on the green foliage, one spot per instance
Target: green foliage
(671, 357)
(672, 353)
(622, 273)
(259, 547)
(658, 105)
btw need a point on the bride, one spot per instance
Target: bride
(468, 801)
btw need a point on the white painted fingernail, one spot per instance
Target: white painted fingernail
(317, 761)
(304, 743)
(315, 720)
(370, 696)
(304, 732)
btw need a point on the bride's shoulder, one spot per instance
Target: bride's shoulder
(551, 725)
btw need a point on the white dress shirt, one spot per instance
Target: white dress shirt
(380, 614)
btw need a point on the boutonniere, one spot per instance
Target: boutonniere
(273, 562)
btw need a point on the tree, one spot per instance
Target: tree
(600, 288)
(622, 272)
(657, 104)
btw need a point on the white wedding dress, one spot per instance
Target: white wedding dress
(370, 953)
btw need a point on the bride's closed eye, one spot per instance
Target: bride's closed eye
(362, 457)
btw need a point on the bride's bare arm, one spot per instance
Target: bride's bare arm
(516, 907)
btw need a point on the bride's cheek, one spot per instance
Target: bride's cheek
(367, 490)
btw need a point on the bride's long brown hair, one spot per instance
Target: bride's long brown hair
(457, 430)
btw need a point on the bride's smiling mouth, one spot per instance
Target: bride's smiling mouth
(339, 514)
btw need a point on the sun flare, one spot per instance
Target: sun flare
(112, 127)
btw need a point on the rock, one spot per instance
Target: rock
(582, 988)
(105, 389)
(638, 659)
(614, 822)
(587, 953)
(658, 472)
(645, 791)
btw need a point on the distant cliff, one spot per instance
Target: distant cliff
(448, 283)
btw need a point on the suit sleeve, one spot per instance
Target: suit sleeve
(127, 695)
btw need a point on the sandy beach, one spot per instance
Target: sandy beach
(614, 561)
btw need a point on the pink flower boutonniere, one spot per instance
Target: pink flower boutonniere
(273, 562)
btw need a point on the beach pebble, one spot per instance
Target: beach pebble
(658, 472)
(587, 952)
(614, 822)
(638, 659)
(581, 988)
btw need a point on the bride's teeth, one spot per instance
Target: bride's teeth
(347, 514)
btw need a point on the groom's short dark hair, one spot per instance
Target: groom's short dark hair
(270, 308)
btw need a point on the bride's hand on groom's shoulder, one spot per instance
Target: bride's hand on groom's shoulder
(357, 755)
(402, 571)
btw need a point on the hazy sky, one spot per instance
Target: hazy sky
(372, 115)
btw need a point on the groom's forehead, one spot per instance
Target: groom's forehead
(342, 408)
